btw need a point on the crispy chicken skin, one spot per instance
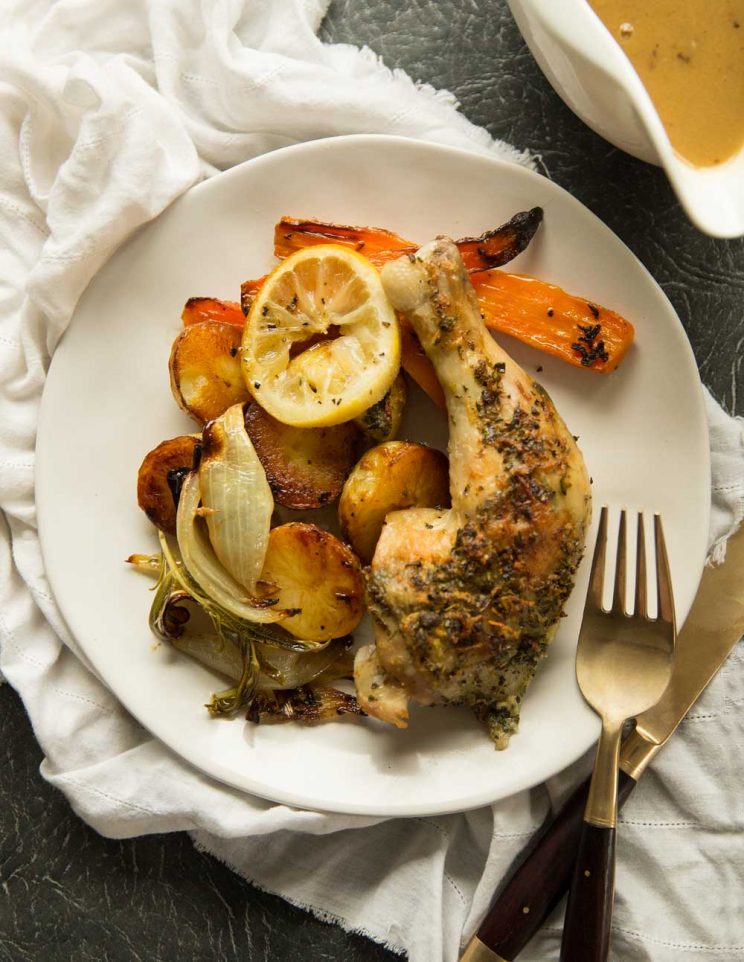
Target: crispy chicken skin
(465, 601)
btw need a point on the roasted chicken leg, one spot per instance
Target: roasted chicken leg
(465, 601)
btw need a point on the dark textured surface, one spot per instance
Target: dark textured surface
(68, 894)
(473, 48)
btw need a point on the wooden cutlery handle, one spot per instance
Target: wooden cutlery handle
(540, 877)
(586, 930)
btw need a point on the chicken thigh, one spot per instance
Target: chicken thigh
(466, 600)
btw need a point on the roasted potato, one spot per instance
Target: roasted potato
(317, 573)
(305, 467)
(394, 475)
(205, 372)
(381, 422)
(154, 494)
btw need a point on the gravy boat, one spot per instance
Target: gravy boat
(589, 71)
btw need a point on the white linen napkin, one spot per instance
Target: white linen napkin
(108, 111)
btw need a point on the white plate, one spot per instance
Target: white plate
(107, 402)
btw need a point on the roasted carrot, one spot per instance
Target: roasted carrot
(199, 309)
(291, 235)
(544, 316)
(541, 315)
(492, 249)
(417, 365)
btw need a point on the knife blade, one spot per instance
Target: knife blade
(537, 882)
(714, 625)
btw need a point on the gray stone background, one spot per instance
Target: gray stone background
(67, 894)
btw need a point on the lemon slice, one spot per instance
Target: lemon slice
(321, 343)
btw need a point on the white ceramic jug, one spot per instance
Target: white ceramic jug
(591, 73)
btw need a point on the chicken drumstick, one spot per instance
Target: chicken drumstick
(465, 601)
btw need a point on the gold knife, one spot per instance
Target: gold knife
(537, 883)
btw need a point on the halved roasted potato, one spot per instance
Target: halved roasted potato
(305, 467)
(319, 574)
(154, 494)
(381, 422)
(205, 372)
(392, 476)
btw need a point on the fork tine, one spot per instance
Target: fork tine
(618, 600)
(641, 598)
(663, 575)
(596, 580)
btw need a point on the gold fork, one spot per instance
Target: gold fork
(623, 664)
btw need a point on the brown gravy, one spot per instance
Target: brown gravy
(690, 56)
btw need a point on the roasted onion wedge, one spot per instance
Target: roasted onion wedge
(205, 568)
(236, 498)
(280, 669)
